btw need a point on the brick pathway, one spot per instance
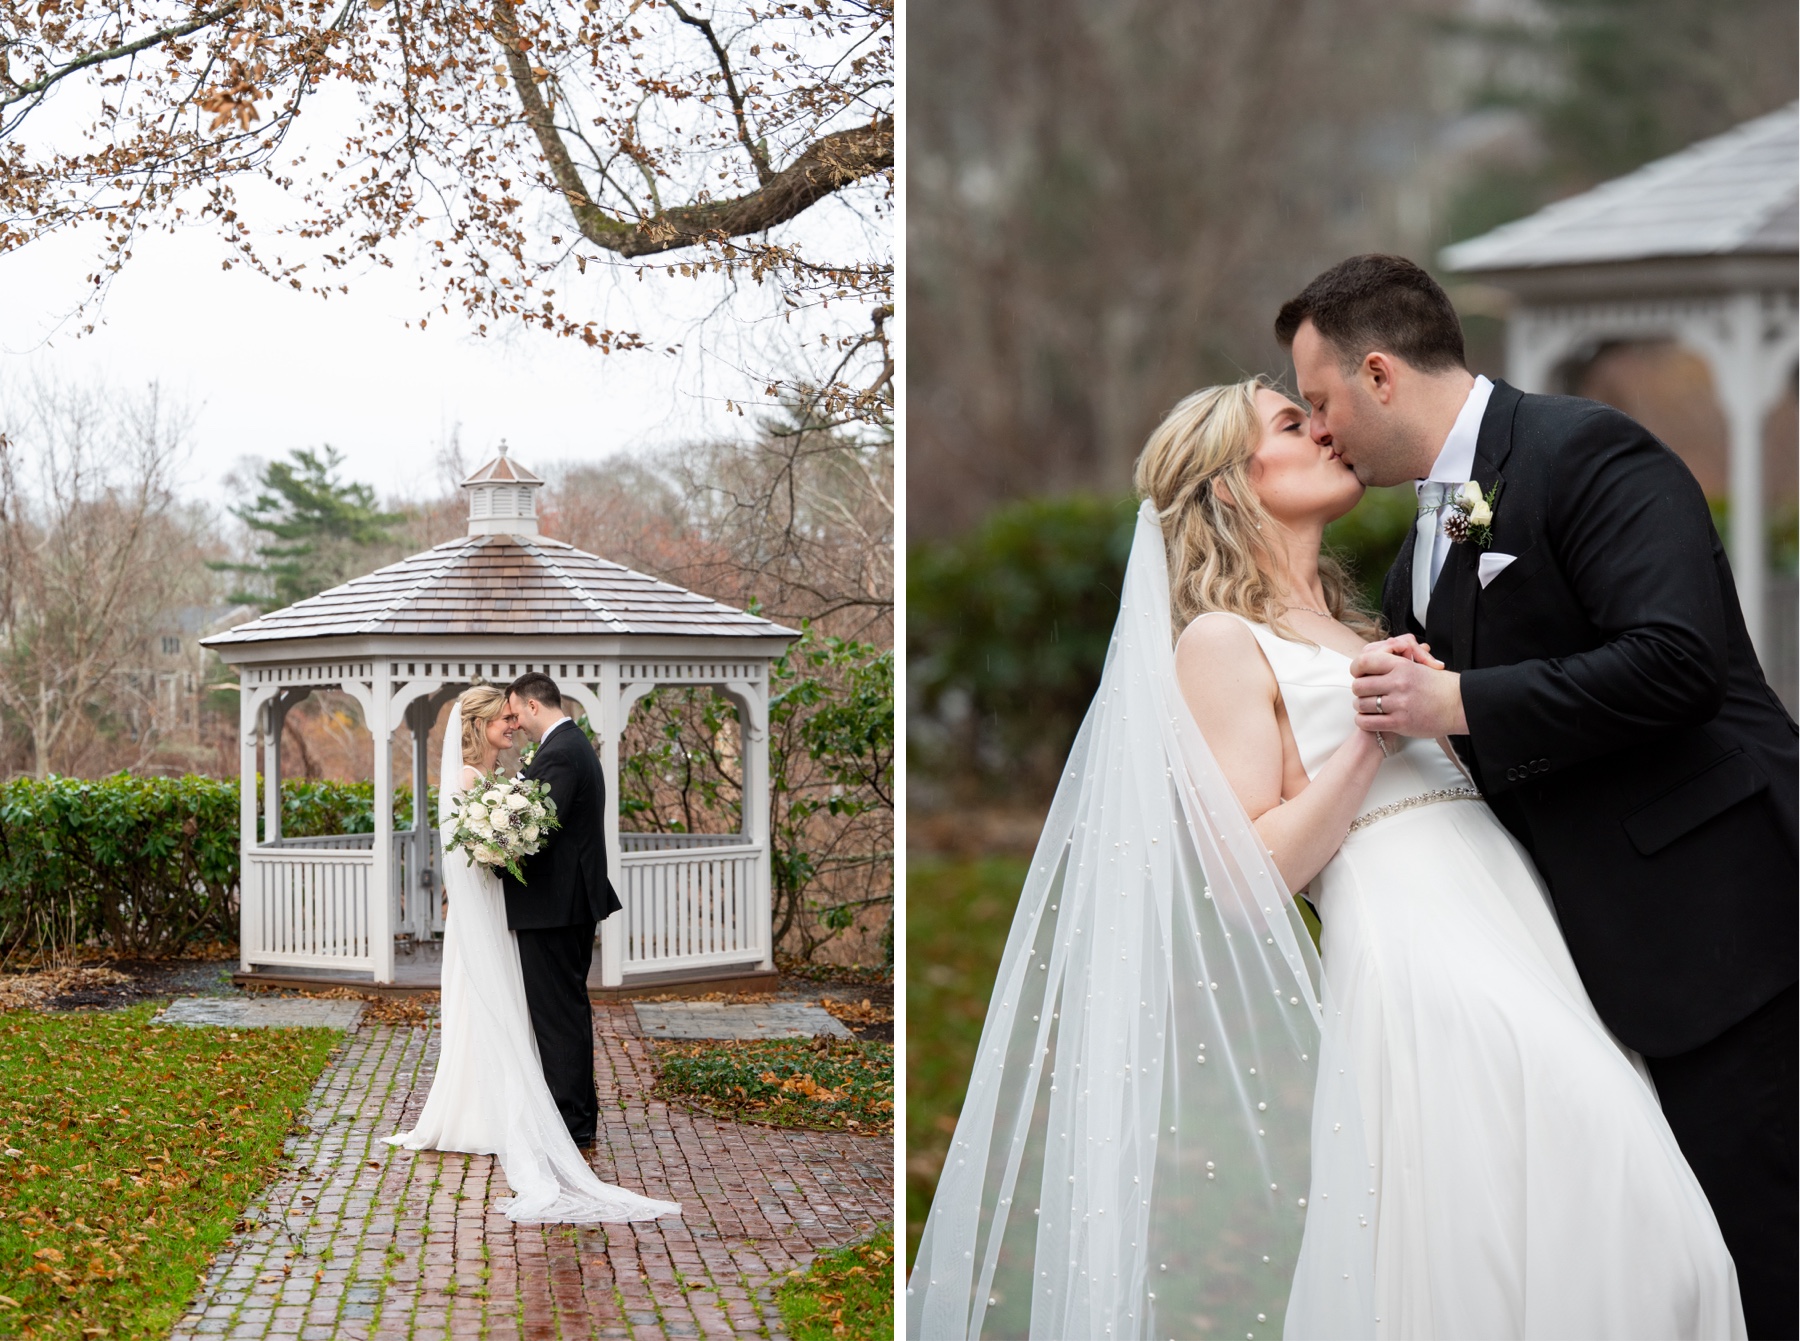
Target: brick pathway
(356, 1239)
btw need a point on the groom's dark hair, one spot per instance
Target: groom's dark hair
(536, 684)
(1378, 302)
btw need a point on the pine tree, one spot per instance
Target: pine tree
(321, 531)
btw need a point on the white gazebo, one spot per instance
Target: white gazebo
(1703, 248)
(403, 642)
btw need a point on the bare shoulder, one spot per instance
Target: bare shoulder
(470, 776)
(1218, 646)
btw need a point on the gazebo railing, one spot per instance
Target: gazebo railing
(306, 902)
(675, 842)
(691, 901)
(697, 905)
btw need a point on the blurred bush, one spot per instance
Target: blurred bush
(1369, 536)
(1007, 629)
(1008, 626)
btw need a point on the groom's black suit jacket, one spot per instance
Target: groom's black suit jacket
(1619, 723)
(566, 884)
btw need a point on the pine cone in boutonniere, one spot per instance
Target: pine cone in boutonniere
(1471, 516)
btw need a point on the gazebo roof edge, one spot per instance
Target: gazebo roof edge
(1735, 194)
(501, 585)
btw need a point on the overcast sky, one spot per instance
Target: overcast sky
(265, 368)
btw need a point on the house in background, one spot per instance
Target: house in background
(160, 698)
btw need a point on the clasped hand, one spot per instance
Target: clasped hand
(1401, 688)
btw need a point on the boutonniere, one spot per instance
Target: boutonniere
(1471, 518)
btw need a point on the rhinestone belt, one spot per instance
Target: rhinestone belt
(1422, 799)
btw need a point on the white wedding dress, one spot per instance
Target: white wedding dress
(1515, 1176)
(488, 1096)
(1181, 1123)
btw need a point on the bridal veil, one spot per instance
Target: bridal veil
(1132, 1157)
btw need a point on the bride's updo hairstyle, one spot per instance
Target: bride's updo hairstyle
(480, 705)
(1195, 470)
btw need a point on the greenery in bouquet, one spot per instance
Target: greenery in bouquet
(500, 820)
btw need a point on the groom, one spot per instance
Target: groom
(1590, 664)
(564, 895)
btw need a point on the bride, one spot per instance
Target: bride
(488, 1096)
(1180, 1123)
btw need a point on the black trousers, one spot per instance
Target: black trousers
(1732, 1106)
(555, 962)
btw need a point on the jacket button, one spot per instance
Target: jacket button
(1512, 775)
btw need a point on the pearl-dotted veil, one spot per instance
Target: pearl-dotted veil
(1131, 1160)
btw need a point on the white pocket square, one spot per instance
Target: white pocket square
(1491, 566)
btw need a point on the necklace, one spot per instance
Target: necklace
(1307, 609)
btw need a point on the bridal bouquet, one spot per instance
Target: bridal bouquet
(500, 820)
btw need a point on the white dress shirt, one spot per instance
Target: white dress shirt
(1455, 465)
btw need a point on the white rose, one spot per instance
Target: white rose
(531, 833)
(517, 802)
(1469, 495)
(490, 856)
(1481, 514)
(492, 797)
(475, 813)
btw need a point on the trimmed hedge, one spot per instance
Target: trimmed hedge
(147, 865)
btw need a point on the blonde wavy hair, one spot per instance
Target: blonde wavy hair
(1195, 470)
(480, 705)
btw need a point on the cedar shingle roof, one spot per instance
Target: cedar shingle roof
(1732, 195)
(502, 585)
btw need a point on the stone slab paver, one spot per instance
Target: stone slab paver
(358, 1240)
(717, 1019)
(260, 1013)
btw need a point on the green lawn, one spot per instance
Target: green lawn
(957, 915)
(126, 1155)
(847, 1295)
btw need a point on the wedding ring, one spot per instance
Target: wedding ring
(1378, 705)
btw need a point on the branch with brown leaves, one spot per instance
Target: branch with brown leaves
(515, 137)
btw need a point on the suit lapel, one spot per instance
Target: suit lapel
(1492, 446)
(553, 743)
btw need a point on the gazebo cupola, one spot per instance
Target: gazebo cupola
(503, 498)
(403, 642)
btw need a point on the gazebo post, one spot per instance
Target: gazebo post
(249, 906)
(381, 872)
(753, 738)
(609, 726)
(1738, 376)
(276, 714)
(419, 894)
